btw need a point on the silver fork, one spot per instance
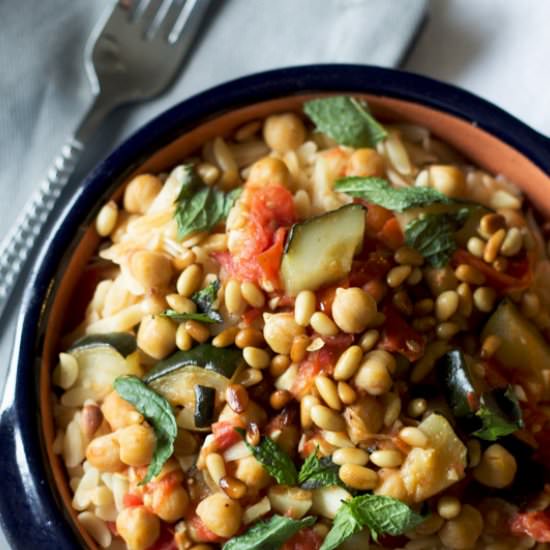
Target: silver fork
(133, 54)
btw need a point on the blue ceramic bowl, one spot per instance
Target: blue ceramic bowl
(31, 510)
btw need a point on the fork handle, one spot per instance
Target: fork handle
(18, 243)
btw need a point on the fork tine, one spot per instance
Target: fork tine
(189, 18)
(148, 13)
(170, 16)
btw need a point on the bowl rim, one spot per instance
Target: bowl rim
(29, 508)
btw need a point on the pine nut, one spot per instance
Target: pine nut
(512, 242)
(249, 337)
(233, 297)
(348, 362)
(328, 392)
(446, 305)
(484, 298)
(327, 419)
(107, 218)
(232, 487)
(415, 277)
(197, 331)
(190, 280)
(424, 324)
(500, 264)
(337, 439)
(448, 507)
(530, 305)
(237, 397)
(445, 331)
(217, 242)
(476, 246)
(346, 393)
(423, 307)
(417, 407)
(358, 477)
(323, 324)
(253, 434)
(256, 357)
(250, 377)
(468, 274)
(298, 349)
(246, 131)
(474, 452)
(304, 307)
(350, 456)
(386, 458)
(279, 398)
(402, 302)
(397, 275)
(215, 466)
(184, 342)
(185, 259)
(252, 294)
(414, 437)
(493, 245)
(225, 337)
(278, 365)
(306, 404)
(490, 224)
(490, 346)
(434, 350)
(369, 339)
(208, 172)
(466, 299)
(408, 256)
(392, 404)
(181, 304)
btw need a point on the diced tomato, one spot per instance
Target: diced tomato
(270, 260)
(392, 541)
(225, 435)
(111, 525)
(376, 266)
(251, 314)
(166, 540)
(306, 539)
(518, 276)
(533, 524)
(391, 234)
(398, 336)
(377, 216)
(130, 499)
(200, 531)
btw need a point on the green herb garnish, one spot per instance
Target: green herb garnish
(199, 207)
(318, 472)
(379, 514)
(158, 412)
(277, 463)
(379, 191)
(433, 235)
(500, 414)
(201, 317)
(346, 120)
(270, 534)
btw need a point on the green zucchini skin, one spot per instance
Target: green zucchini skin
(123, 342)
(321, 249)
(205, 400)
(224, 361)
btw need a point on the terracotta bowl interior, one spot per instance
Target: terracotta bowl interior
(480, 147)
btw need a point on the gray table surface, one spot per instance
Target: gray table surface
(497, 49)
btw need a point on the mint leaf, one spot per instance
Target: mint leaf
(277, 463)
(158, 412)
(205, 299)
(198, 206)
(379, 191)
(500, 414)
(201, 317)
(379, 514)
(318, 472)
(346, 120)
(270, 534)
(433, 235)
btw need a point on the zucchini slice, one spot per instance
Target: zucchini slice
(223, 361)
(123, 342)
(205, 401)
(522, 346)
(320, 250)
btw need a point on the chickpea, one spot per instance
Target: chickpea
(141, 192)
(280, 330)
(252, 474)
(463, 531)
(353, 309)
(150, 269)
(284, 132)
(138, 527)
(366, 162)
(104, 454)
(220, 514)
(137, 444)
(253, 413)
(157, 336)
(363, 418)
(448, 180)
(269, 170)
(118, 412)
(169, 504)
(497, 467)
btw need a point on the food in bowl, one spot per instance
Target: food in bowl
(317, 332)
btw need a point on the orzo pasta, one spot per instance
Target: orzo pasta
(317, 332)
